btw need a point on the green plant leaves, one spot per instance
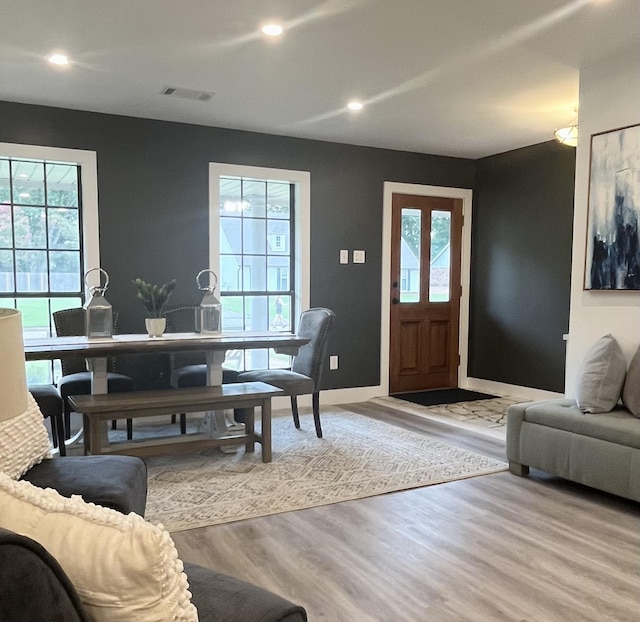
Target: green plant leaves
(154, 297)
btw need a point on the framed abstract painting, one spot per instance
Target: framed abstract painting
(613, 235)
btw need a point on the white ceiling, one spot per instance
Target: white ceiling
(450, 77)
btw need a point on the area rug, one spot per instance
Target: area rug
(358, 457)
(486, 416)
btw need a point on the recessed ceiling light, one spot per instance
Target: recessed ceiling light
(58, 59)
(272, 30)
(355, 105)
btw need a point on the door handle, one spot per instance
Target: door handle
(395, 301)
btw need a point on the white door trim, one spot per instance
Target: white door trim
(391, 188)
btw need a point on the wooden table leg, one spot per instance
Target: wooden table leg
(95, 437)
(86, 428)
(249, 427)
(266, 430)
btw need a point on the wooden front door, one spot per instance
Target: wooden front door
(426, 234)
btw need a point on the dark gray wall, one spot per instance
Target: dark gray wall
(521, 266)
(153, 195)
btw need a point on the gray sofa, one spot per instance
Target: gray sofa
(599, 450)
(33, 586)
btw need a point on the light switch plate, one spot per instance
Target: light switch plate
(358, 256)
(344, 256)
(333, 362)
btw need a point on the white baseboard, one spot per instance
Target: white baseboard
(333, 396)
(363, 394)
(512, 390)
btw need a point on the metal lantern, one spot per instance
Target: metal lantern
(98, 311)
(209, 313)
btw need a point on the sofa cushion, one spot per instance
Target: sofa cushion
(24, 440)
(219, 597)
(601, 376)
(631, 390)
(116, 482)
(123, 568)
(616, 426)
(290, 382)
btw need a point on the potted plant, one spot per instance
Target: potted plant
(155, 298)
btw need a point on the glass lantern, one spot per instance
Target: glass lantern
(98, 311)
(209, 312)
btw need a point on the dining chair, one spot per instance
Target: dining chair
(76, 380)
(305, 375)
(188, 369)
(50, 403)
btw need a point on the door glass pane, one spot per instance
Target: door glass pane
(411, 220)
(440, 259)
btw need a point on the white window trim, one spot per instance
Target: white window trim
(87, 160)
(302, 181)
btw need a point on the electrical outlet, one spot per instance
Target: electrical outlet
(344, 256)
(333, 362)
(358, 256)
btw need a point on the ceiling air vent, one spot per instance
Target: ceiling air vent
(173, 91)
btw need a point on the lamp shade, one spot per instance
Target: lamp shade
(13, 377)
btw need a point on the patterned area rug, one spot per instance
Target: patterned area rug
(358, 457)
(488, 416)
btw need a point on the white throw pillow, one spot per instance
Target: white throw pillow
(24, 441)
(123, 568)
(631, 391)
(601, 377)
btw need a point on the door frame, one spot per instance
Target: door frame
(466, 195)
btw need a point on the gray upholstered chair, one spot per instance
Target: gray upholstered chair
(305, 375)
(49, 401)
(76, 380)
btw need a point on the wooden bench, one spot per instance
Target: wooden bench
(243, 396)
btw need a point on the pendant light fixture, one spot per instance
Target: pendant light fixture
(568, 135)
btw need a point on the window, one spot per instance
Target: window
(43, 237)
(258, 218)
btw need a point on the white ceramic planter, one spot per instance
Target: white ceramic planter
(155, 326)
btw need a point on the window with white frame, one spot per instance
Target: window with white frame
(259, 219)
(46, 195)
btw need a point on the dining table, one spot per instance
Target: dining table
(96, 351)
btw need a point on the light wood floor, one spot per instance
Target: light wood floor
(489, 548)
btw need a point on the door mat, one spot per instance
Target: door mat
(443, 396)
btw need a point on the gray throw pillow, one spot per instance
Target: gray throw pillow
(631, 391)
(601, 377)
